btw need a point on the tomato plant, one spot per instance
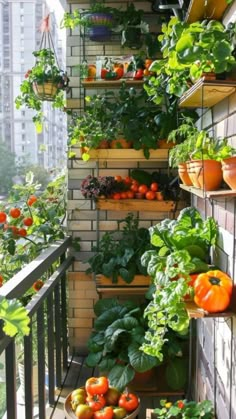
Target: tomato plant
(97, 385)
(129, 401)
(28, 221)
(105, 413)
(15, 212)
(32, 199)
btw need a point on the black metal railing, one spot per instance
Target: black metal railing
(48, 336)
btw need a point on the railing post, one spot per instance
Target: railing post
(64, 318)
(11, 380)
(58, 335)
(41, 361)
(51, 350)
(28, 372)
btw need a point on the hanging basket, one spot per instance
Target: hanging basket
(46, 91)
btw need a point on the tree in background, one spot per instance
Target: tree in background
(7, 168)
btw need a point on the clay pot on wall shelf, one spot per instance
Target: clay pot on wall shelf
(121, 143)
(183, 174)
(209, 174)
(165, 144)
(192, 174)
(229, 171)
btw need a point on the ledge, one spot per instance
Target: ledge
(207, 93)
(107, 84)
(195, 312)
(222, 193)
(128, 154)
(138, 286)
(135, 205)
(200, 9)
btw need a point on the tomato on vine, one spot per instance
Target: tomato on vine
(15, 212)
(32, 199)
(3, 217)
(28, 221)
(22, 232)
(37, 285)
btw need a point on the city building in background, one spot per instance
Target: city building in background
(19, 36)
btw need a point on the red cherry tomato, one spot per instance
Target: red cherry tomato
(154, 186)
(143, 189)
(150, 195)
(96, 401)
(123, 195)
(96, 385)
(22, 232)
(15, 212)
(128, 401)
(28, 221)
(37, 285)
(139, 74)
(105, 413)
(3, 217)
(130, 194)
(118, 178)
(32, 199)
(128, 180)
(116, 195)
(134, 187)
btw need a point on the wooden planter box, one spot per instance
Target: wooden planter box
(138, 286)
(135, 205)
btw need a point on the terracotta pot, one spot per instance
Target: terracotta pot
(229, 171)
(121, 143)
(164, 144)
(104, 144)
(192, 174)
(183, 174)
(209, 174)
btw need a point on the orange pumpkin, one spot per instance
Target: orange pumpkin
(213, 290)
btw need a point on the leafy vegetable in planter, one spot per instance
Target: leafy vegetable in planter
(182, 248)
(119, 252)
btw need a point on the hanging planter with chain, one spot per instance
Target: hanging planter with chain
(45, 81)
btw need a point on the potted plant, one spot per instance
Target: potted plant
(100, 187)
(184, 409)
(119, 331)
(44, 82)
(182, 249)
(98, 20)
(118, 252)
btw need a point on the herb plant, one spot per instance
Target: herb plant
(101, 186)
(118, 252)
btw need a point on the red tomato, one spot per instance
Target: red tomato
(180, 404)
(97, 385)
(127, 180)
(118, 178)
(129, 401)
(146, 72)
(22, 232)
(160, 196)
(1, 280)
(3, 217)
(14, 230)
(116, 195)
(96, 402)
(32, 199)
(134, 187)
(130, 194)
(154, 186)
(150, 195)
(139, 74)
(143, 189)
(123, 195)
(103, 73)
(15, 212)
(119, 71)
(147, 63)
(37, 285)
(105, 413)
(28, 221)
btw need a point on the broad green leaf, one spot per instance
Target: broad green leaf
(120, 376)
(15, 317)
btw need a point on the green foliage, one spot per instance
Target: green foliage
(184, 409)
(118, 252)
(14, 317)
(45, 70)
(7, 168)
(170, 266)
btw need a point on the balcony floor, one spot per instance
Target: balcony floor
(76, 377)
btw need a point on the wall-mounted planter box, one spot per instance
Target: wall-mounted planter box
(201, 9)
(207, 93)
(138, 286)
(128, 154)
(135, 205)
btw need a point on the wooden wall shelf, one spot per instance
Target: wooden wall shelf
(108, 84)
(135, 205)
(195, 312)
(222, 193)
(200, 9)
(139, 285)
(207, 93)
(128, 154)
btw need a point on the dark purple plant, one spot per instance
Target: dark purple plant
(93, 187)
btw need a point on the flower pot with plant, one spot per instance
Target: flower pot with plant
(184, 409)
(229, 171)
(44, 82)
(114, 344)
(98, 21)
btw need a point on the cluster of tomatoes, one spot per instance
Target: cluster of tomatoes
(97, 400)
(133, 189)
(15, 213)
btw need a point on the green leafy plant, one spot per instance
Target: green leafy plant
(131, 25)
(14, 316)
(44, 71)
(184, 409)
(182, 248)
(118, 252)
(119, 330)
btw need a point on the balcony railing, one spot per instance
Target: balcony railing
(48, 336)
